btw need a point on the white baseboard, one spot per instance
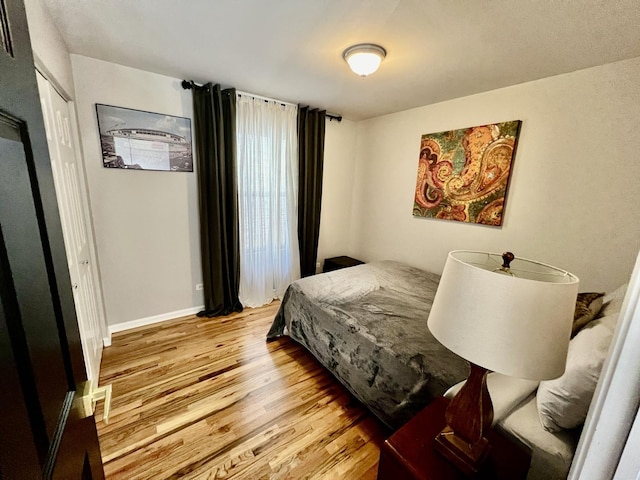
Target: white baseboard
(142, 322)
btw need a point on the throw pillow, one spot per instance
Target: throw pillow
(588, 305)
(564, 402)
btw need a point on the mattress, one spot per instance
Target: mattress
(368, 325)
(515, 413)
(551, 453)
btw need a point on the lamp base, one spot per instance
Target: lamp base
(468, 458)
(468, 418)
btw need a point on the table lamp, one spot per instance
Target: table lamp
(504, 314)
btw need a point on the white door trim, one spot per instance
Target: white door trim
(615, 403)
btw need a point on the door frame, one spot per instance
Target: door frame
(614, 408)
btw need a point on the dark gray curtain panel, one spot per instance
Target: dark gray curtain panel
(215, 136)
(311, 158)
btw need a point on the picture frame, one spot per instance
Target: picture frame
(463, 175)
(139, 140)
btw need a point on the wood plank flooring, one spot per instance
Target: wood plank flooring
(209, 398)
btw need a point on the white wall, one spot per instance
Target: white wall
(146, 222)
(337, 189)
(50, 51)
(573, 199)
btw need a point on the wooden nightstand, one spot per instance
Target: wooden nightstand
(336, 263)
(409, 453)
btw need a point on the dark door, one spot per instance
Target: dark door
(43, 430)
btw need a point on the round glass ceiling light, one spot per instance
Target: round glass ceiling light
(364, 58)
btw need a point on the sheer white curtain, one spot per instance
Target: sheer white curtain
(268, 196)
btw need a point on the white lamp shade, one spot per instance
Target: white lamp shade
(364, 59)
(516, 325)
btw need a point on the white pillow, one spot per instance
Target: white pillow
(506, 393)
(612, 302)
(564, 402)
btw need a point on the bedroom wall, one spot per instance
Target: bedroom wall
(50, 51)
(337, 189)
(146, 222)
(574, 189)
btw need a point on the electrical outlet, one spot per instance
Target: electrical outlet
(199, 286)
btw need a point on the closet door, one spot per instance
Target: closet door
(67, 176)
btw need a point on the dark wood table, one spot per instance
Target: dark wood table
(336, 263)
(409, 453)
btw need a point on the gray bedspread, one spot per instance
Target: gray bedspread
(368, 326)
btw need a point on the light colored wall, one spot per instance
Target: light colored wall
(337, 189)
(573, 199)
(50, 52)
(146, 222)
(570, 203)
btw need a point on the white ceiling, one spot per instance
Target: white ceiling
(292, 49)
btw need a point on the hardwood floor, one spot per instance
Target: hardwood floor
(209, 398)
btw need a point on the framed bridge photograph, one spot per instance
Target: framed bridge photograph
(138, 140)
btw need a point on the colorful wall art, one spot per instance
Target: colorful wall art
(463, 174)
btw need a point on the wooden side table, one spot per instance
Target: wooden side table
(409, 453)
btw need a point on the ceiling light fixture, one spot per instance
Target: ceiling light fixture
(364, 58)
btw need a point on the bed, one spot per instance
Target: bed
(368, 326)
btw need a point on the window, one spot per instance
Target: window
(267, 153)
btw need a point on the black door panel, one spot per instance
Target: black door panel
(43, 431)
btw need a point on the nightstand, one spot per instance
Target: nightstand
(409, 453)
(336, 263)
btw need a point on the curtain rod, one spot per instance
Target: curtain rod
(189, 84)
(266, 99)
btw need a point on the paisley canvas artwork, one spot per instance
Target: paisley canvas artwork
(463, 174)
